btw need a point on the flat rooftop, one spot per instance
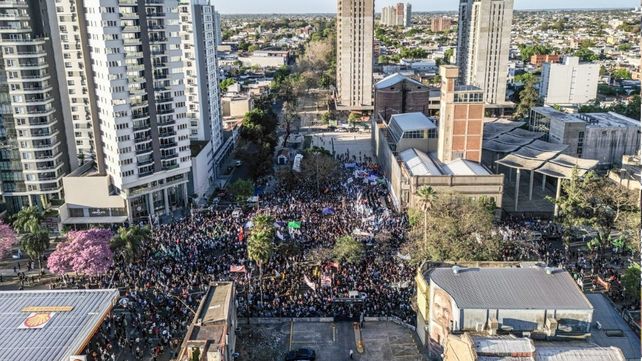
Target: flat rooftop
(595, 120)
(51, 325)
(408, 122)
(419, 163)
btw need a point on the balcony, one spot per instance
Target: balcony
(144, 150)
(167, 134)
(169, 156)
(168, 145)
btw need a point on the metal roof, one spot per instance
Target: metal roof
(64, 335)
(573, 353)
(419, 163)
(393, 79)
(493, 128)
(408, 122)
(510, 288)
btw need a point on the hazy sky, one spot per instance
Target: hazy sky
(329, 6)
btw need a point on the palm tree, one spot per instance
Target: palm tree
(260, 245)
(28, 220)
(35, 243)
(128, 240)
(427, 196)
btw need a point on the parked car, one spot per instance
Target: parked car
(302, 354)
(237, 163)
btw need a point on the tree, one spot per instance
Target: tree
(320, 166)
(196, 354)
(260, 244)
(586, 55)
(621, 74)
(242, 190)
(7, 239)
(84, 252)
(289, 117)
(631, 283)
(325, 117)
(601, 204)
(528, 98)
(459, 228)
(28, 220)
(448, 54)
(226, 83)
(427, 196)
(348, 249)
(128, 240)
(35, 243)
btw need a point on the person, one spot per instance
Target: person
(351, 353)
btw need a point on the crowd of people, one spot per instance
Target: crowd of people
(165, 281)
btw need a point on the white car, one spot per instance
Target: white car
(237, 163)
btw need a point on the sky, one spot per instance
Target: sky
(329, 6)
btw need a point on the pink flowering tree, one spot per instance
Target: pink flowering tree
(84, 252)
(7, 239)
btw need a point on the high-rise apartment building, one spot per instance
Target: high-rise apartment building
(217, 23)
(440, 24)
(33, 154)
(569, 82)
(135, 81)
(355, 34)
(483, 46)
(461, 118)
(397, 15)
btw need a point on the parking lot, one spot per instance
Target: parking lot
(332, 341)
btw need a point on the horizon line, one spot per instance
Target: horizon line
(438, 11)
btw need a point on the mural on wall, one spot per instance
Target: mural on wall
(440, 315)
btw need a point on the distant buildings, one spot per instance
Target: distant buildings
(266, 58)
(483, 46)
(355, 34)
(440, 24)
(538, 59)
(605, 137)
(397, 15)
(569, 83)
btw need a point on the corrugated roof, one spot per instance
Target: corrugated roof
(503, 345)
(510, 288)
(464, 167)
(419, 163)
(393, 79)
(573, 353)
(63, 335)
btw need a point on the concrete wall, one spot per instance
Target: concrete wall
(471, 186)
(90, 191)
(570, 83)
(609, 145)
(236, 107)
(200, 175)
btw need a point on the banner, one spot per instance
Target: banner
(279, 235)
(326, 281)
(309, 283)
(294, 224)
(237, 269)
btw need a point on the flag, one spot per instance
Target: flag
(241, 234)
(294, 224)
(237, 269)
(278, 234)
(309, 283)
(326, 281)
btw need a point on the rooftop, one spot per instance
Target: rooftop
(597, 120)
(394, 79)
(422, 164)
(412, 121)
(50, 325)
(510, 288)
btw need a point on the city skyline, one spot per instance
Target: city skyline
(329, 6)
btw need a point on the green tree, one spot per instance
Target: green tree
(28, 220)
(129, 239)
(35, 243)
(631, 283)
(325, 117)
(621, 74)
(242, 190)
(448, 55)
(586, 55)
(226, 83)
(458, 229)
(260, 244)
(598, 203)
(196, 354)
(528, 98)
(348, 249)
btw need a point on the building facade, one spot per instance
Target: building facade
(355, 35)
(397, 15)
(461, 119)
(396, 94)
(483, 46)
(33, 155)
(569, 83)
(440, 24)
(136, 85)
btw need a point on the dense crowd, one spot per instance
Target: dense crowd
(165, 281)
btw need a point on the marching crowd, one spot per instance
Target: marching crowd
(171, 272)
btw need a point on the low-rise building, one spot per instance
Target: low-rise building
(236, 106)
(440, 24)
(397, 94)
(266, 58)
(539, 59)
(413, 130)
(213, 329)
(605, 137)
(499, 300)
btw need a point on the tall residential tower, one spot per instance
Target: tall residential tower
(355, 34)
(483, 46)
